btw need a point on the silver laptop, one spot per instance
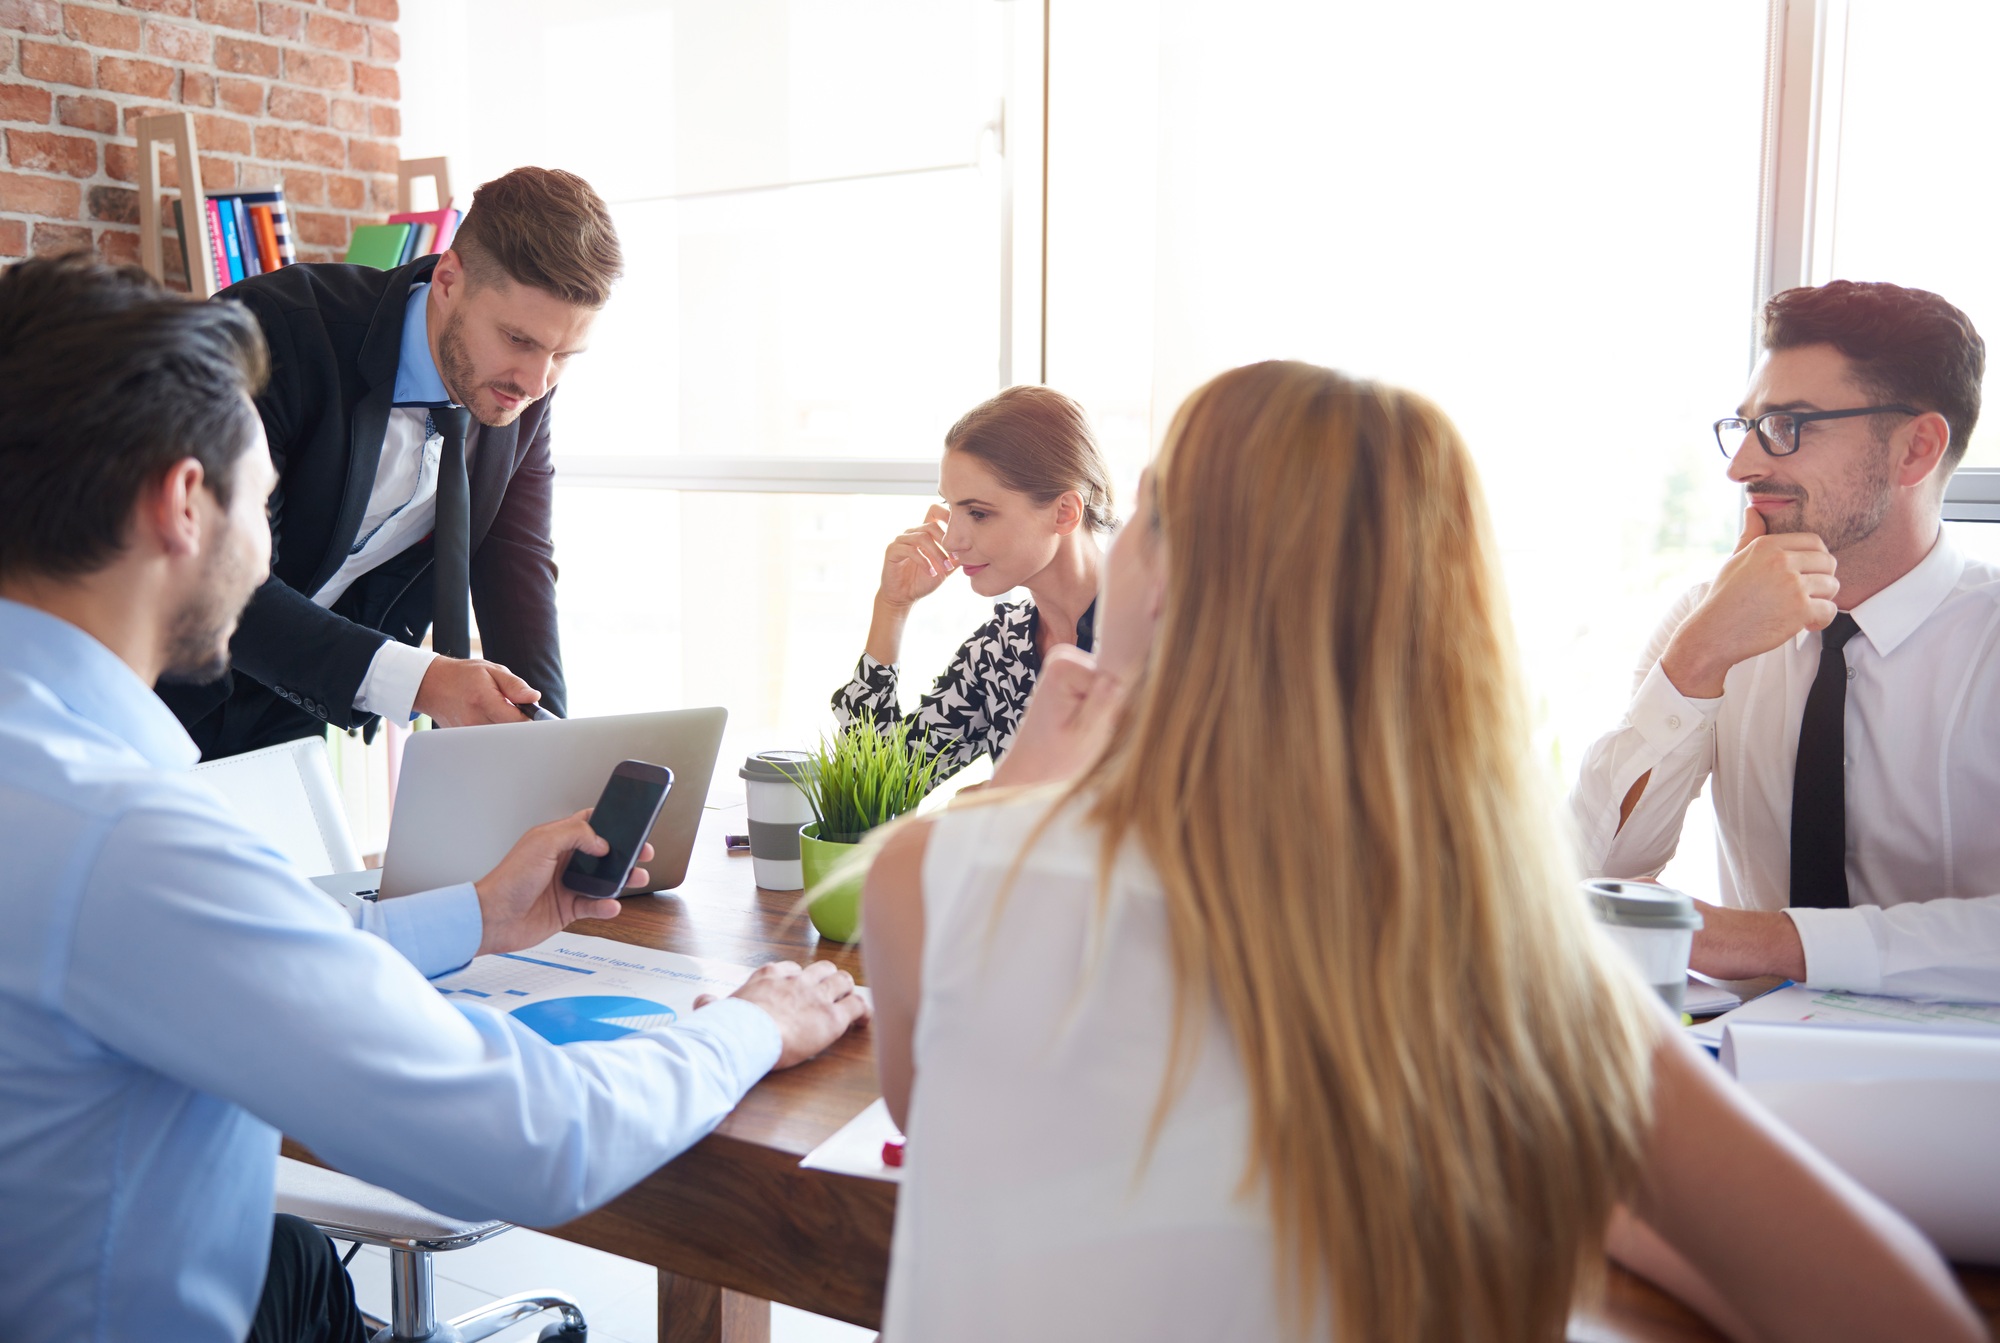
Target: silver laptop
(466, 794)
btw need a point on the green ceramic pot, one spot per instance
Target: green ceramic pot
(836, 910)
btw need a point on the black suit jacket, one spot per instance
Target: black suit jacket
(335, 334)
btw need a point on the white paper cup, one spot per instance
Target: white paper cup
(1654, 926)
(777, 808)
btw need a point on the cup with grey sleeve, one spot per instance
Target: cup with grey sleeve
(1654, 925)
(777, 808)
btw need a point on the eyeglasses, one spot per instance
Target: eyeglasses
(1778, 432)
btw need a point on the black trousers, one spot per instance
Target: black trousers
(308, 1297)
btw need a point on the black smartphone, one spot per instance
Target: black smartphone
(624, 816)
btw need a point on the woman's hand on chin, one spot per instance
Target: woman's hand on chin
(1068, 720)
(916, 563)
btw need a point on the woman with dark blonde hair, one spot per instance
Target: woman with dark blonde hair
(1026, 495)
(1276, 1012)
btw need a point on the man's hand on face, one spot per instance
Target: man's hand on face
(1769, 590)
(813, 1006)
(464, 692)
(523, 901)
(1747, 944)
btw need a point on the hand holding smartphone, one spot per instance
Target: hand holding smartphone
(624, 816)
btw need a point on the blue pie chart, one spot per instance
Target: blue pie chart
(566, 1020)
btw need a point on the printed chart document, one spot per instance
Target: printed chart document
(1798, 1004)
(574, 987)
(1900, 1095)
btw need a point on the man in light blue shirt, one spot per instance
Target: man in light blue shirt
(172, 994)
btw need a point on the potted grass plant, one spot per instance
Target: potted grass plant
(862, 777)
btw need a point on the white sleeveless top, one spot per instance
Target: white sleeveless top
(1041, 1046)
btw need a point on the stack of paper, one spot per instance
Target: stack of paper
(1900, 1095)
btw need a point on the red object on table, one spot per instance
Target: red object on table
(892, 1152)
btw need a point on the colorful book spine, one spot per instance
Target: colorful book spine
(281, 225)
(272, 202)
(267, 237)
(246, 241)
(447, 231)
(232, 249)
(218, 250)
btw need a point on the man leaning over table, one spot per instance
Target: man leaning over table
(172, 994)
(1839, 680)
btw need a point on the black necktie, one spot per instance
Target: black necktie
(1819, 778)
(451, 621)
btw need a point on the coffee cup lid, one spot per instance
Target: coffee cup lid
(777, 766)
(1634, 904)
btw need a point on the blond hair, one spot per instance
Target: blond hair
(1326, 760)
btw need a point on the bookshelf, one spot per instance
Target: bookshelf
(224, 237)
(409, 171)
(174, 130)
(409, 233)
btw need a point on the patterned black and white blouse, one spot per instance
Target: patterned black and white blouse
(974, 708)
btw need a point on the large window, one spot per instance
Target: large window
(1898, 187)
(1542, 216)
(831, 256)
(1555, 218)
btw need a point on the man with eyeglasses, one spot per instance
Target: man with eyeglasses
(1839, 680)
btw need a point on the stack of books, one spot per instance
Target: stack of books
(249, 232)
(403, 239)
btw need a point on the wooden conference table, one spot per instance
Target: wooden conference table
(735, 1224)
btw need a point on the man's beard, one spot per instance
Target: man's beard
(198, 636)
(1854, 509)
(462, 381)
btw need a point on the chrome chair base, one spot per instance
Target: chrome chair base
(413, 1318)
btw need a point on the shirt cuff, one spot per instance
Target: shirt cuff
(742, 1034)
(436, 931)
(390, 687)
(1664, 716)
(1840, 949)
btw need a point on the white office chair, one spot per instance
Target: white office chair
(287, 794)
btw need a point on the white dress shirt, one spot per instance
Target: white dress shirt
(1922, 738)
(402, 510)
(173, 995)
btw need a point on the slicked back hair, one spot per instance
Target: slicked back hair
(543, 228)
(1039, 443)
(109, 380)
(1906, 345)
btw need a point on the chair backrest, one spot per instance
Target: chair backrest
(286, 793)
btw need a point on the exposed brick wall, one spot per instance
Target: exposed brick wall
(283, 91)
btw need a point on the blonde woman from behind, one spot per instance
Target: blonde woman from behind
(1278, 1016)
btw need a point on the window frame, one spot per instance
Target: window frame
(1017, 138)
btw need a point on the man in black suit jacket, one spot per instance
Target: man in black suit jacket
(395, 505)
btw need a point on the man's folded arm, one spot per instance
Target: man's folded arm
(1943, 950)
(302, 651)
(1637, 780)
(197, 952)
